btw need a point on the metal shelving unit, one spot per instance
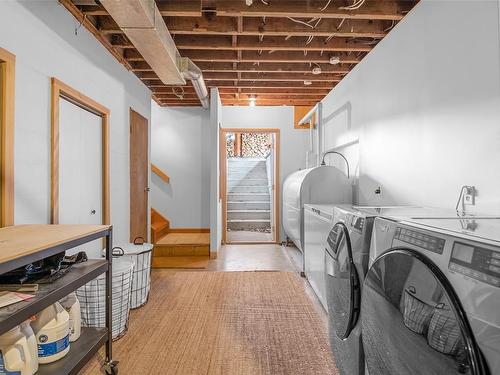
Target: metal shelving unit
(24, 244)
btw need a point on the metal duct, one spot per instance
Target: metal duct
(191, 71)
(143, 24)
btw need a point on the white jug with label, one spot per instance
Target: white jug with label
(72, 306)
(27, 331)
(51, 327)
(15, 358)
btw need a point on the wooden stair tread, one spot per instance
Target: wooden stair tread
(184, 239)
(193, 262)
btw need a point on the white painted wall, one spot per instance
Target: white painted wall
(425, 111)
(180, 147)
(293, 142)
(215, 201)
(42, 36)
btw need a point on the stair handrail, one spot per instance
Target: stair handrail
(160, 173)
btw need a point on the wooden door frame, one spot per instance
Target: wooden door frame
(8, 61)
(148, 174)
(223, 180)
(61, 90)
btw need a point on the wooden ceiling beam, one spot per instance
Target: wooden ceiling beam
(210, 25)
(251, 43)
(270, 67)
(370, 10)
(189, 90)
(271, 77)
(181, 8)
(275, 57)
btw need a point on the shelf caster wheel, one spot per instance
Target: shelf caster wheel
(110, 368)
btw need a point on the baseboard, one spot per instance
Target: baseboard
(189, 230)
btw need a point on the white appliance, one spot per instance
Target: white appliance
(431, 297)
(321, 185)
(318, 220)
(346, 264)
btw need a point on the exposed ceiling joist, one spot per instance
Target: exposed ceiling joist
(263, 51)
(371, 10)
(251, 43)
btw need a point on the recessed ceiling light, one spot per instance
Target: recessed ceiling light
(307, 83)
(334, 60)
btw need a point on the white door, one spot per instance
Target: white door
(80, 170)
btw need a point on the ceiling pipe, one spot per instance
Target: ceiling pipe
(143, 24)
(191, 71)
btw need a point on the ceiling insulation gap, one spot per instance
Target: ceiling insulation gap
(143, 25)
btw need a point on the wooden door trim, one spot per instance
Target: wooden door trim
(8, 61)
(223, 179)
(61, 90)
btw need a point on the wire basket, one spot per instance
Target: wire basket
(139, 254)
(92, 297)
(417, 313)
(444, 333)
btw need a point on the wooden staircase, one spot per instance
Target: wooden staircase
(178, 248)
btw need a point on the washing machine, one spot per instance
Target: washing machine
(346, 263)
(431, 297)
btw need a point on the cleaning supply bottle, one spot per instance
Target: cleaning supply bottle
(27, 331)
(14, 353)
(72, 306)
(51, 327)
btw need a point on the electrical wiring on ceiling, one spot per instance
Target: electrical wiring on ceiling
(357, 4)
(326, 5)
(181, 95)
(390, 27)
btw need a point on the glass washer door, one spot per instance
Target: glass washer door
(412, 321)
(342, 282)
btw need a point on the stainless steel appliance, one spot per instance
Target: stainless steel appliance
(431, 297)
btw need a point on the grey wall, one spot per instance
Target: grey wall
(180, 147)
(420, 115)
(42, 36)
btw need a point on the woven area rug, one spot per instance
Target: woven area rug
(225, 323)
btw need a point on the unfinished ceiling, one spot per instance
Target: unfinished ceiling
(271, 52)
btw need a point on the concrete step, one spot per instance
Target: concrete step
(249, 214)
(247, 181)
(246, 161)
(246, 170)
(248, 189)
(247, 175)
(249, 205)
(248, 224)
(263, 197)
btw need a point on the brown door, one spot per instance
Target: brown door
(138, 176)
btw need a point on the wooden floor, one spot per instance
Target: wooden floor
(199, 322)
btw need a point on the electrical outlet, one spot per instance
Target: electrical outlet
(470, 195)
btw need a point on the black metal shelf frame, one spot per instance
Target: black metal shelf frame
(92, 338)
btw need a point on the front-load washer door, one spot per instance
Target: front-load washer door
(412, 321)
(342, 282)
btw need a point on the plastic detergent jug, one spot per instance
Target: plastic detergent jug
(51, 328)
(27, 331)
(14, 353)
(72, 306)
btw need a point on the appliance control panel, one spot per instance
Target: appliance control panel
(420, 239)
(358, 222)
(477, 262)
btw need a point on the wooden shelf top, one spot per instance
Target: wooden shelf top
(22, 240)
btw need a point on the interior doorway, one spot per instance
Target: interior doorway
(250, 185)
